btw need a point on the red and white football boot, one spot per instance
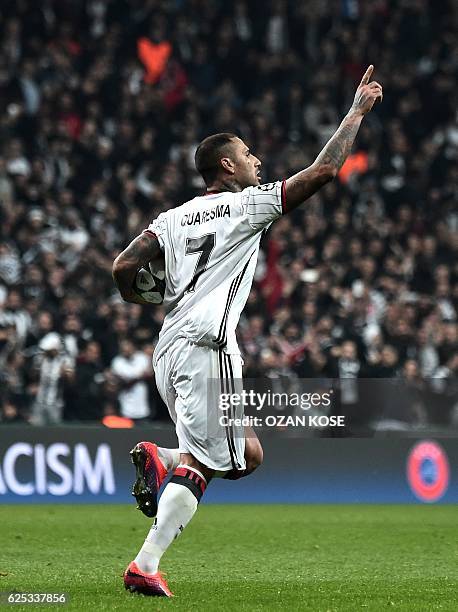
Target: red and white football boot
(151, 473)
(149, 584)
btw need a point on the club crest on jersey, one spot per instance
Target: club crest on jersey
(266, 187)
(202, 216)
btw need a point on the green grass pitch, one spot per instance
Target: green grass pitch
(288, 558)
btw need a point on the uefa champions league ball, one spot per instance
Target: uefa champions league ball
(150, 285)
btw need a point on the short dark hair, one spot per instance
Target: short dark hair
(208, 155)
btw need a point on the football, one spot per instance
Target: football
(150, 285)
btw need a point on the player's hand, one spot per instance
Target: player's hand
(133, 298)
(367, 93)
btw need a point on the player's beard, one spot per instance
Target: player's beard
(253, 181)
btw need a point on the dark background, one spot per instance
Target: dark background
(93, 147)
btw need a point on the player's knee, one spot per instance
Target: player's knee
(192, 462)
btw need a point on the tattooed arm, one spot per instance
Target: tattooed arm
(140, 251)
(328, 163)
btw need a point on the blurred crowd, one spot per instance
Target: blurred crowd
(103, 103)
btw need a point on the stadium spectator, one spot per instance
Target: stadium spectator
(51, 368)
(83, 397)
(133, 369)
(92, 149)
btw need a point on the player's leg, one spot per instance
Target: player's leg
(253, 456)
(180, 497)
(169, 457)
(189, 461)
(177, 505)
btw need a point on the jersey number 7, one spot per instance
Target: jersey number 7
(203, 245)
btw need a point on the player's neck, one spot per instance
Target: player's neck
(224, 185)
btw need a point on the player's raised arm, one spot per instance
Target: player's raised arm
(328, 163)
(143, 249)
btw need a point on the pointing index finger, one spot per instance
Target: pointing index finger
(367, 75)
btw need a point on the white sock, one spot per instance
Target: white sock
(170, 457)
(176, 508)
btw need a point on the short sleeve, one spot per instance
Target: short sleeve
(159, 228)
(263, 204)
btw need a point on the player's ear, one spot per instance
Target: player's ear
(228, 165)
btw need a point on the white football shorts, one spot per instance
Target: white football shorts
(190, 378)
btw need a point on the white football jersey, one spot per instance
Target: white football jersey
(210, 246)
